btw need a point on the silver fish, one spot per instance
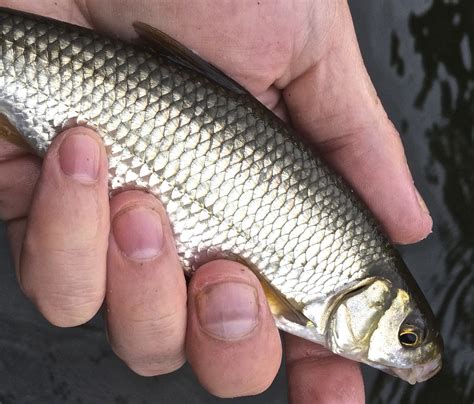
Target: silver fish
(235, 180)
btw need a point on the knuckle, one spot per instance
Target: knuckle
(49, 230)
(61, 254)
(168, 326)
(69, 256)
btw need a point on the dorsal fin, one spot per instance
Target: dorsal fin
(177, 52)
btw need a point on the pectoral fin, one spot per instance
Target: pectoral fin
(280, 307)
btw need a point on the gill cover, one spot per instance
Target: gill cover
(354, 320)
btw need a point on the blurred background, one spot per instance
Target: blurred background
(420, 55)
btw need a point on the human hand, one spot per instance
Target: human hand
(303, 63)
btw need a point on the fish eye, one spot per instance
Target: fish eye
(409, 336)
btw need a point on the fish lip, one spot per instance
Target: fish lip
(417, 373)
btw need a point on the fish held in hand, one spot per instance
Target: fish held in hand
(235, 180)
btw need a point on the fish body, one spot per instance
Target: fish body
(235, 180)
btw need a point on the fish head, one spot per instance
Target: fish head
(386, 324)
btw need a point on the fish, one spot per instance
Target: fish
(236, 181)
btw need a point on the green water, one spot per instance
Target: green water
(420, 57)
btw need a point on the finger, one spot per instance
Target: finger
(17, 181)
(232, 342)
(146, 290)
(8, 149)
(63, 257)
(16, 230)
(316, 375)
(331, 99)
(65, 10)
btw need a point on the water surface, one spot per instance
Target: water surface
(420, 56)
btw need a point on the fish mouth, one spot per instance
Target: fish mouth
(418, 373)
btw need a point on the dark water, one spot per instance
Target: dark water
(420, 55)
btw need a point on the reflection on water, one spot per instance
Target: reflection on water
(444, 37)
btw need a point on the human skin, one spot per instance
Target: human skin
(302, 60)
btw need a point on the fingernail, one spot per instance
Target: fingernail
(79, 157)
(228, 310)
(139, 233)
(421, 202)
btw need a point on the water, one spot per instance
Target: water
(420, 57)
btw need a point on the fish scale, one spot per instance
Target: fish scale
(161, 118)
(234, 179)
